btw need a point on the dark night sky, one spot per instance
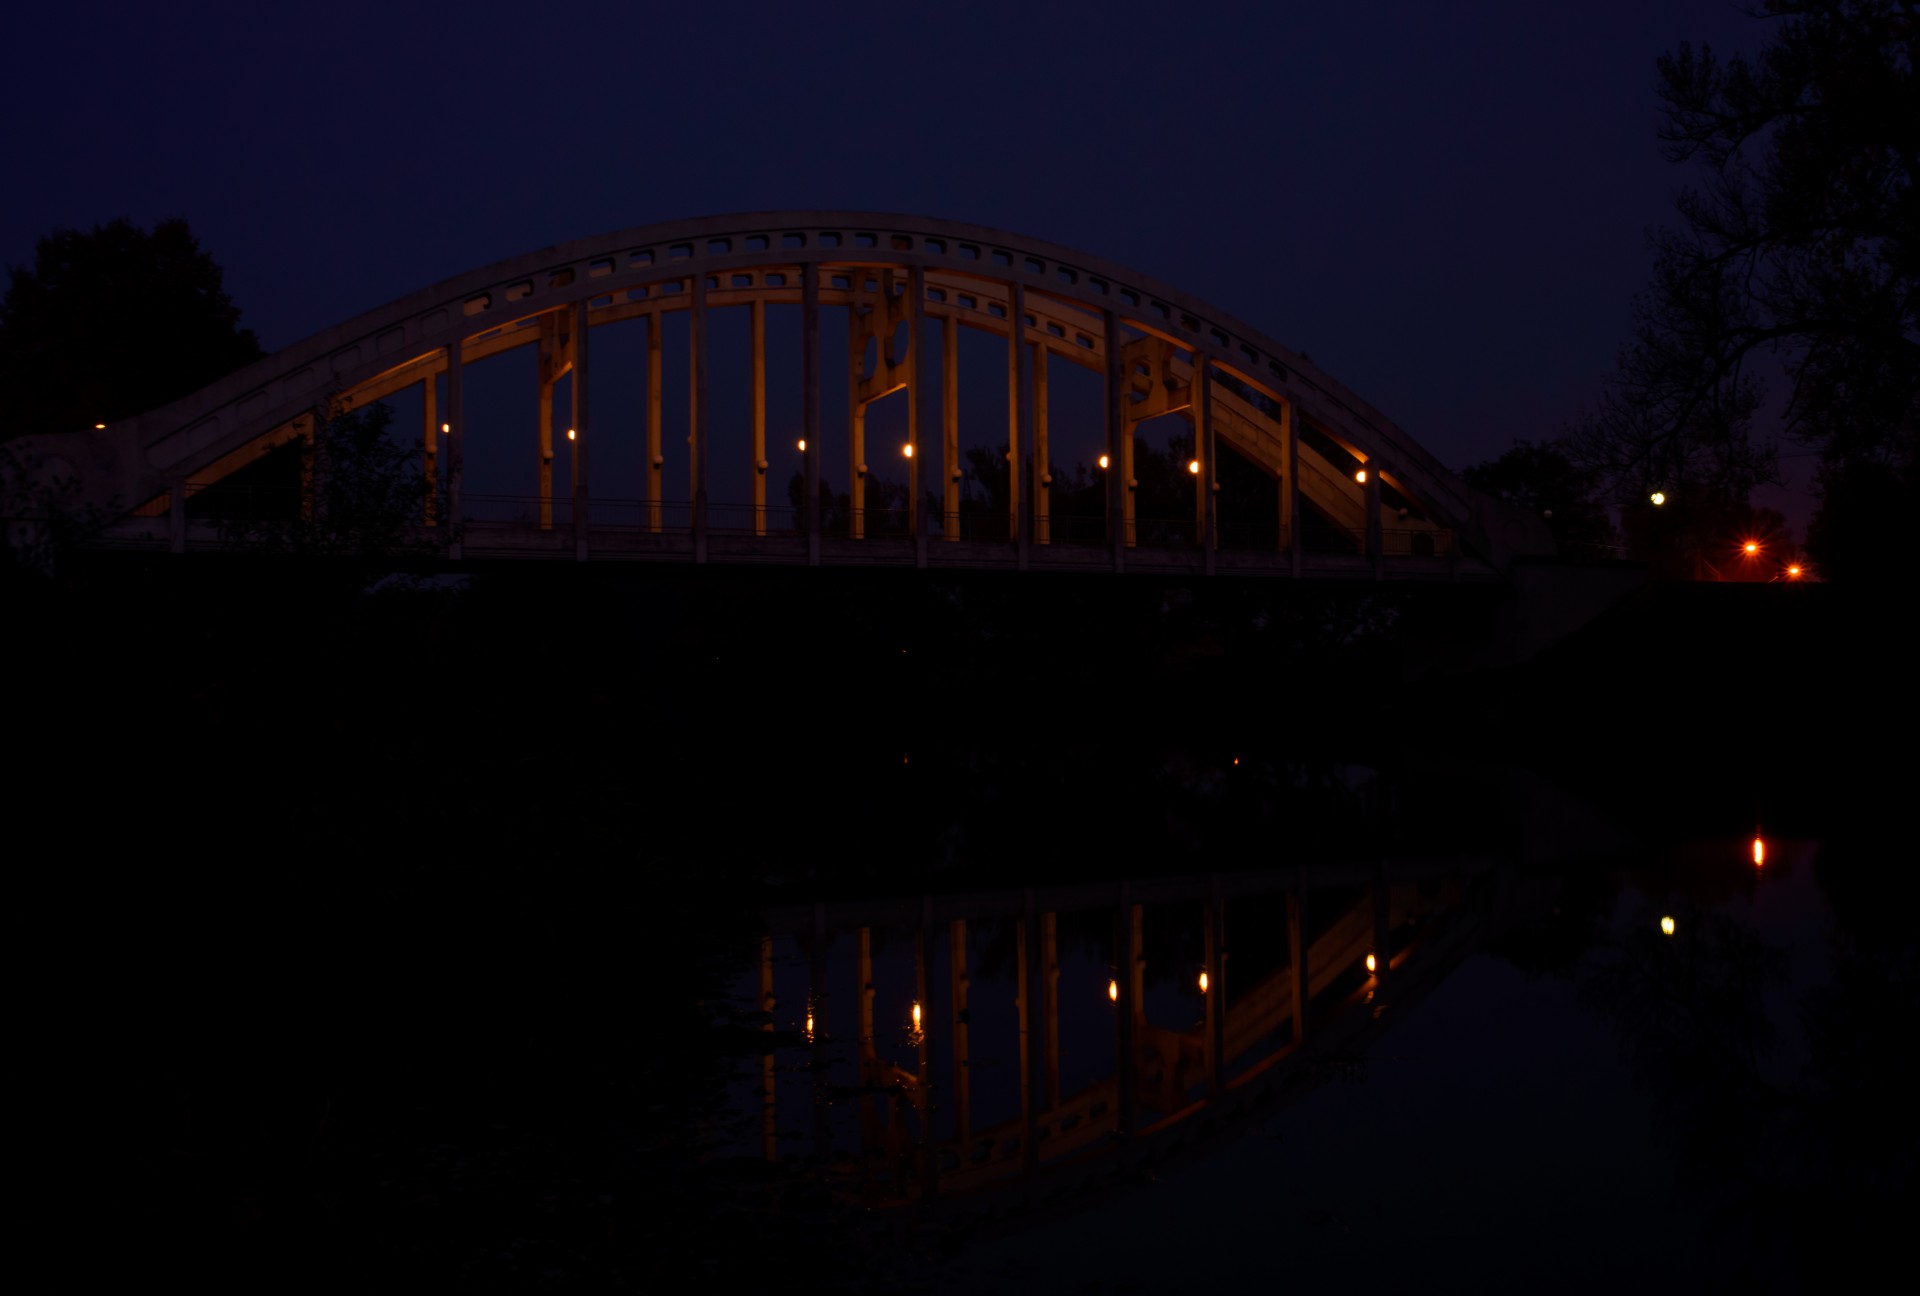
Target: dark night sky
(1445, 206)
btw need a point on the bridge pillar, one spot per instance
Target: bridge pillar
(810, 403)
(656, 456)
(1206, 482)
(1019, 414)
(950, 427)
(758, 326)
(1042, 463)
(581, 440)
(1290, 489)
(697, 410)
(856, 428)
(1118, 507)
(430, 447)
(456, 447)
(549, 366)
(917, 465)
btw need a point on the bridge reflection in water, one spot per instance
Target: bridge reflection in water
(1042, 1040)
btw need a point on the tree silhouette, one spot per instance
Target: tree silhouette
(111, 323)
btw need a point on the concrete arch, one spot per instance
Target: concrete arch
(1069, 305)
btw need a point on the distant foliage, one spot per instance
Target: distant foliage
(1544, 481)
(113, 322)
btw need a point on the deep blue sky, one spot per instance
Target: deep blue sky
(1445, 205)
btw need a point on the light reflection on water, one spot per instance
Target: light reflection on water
(1536, 1115)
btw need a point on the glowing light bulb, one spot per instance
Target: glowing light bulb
(1113, 991)
(570, 435)
(803, 445)
(1203, 981)
(1759, 852)
(907, 450)
(1750, 548)
(1666, 925)
(1658, 498)
(99, 427)
(809, 1024)
(1193, 466)
(1103, 461)
(1793, 571)
(1373, 964)
(916, 1015)
(1361, 476)
(445, 428)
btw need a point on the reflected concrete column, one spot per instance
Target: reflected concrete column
(810, 403)
(1019, 413)
(769, 1122)
(962, 1086)
(1126, 953)
(656, 455)
(817, 1036)
(581, 492)
(1042, 461)
(1027, 971)
(697, 411)
(456, 446)
(547, 345)
(758, 325)
(1297, 957)
(1116, 411)
(870, 1133)
(430, 449)
(1216, 1024)
(1050, 969)
(929, 1137)
(950, 426)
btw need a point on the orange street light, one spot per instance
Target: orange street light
(1103, 461)
(1750, 548)
(1793, 571)
(1113, 991)
(570, 435)
(1373, 964)
(907, 450)
(99, 427)
(803, 445)
(445, 428)
(1193, 466)
(1658, 498)
(1361, 476)
(1203, 980)
(1666, 925)
(1759, 852)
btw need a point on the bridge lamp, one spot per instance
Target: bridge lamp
(1113, 991)
(1103, 461)
(446, 428)
(1373, 964)
(803, 445)
(1658, 498)
(1750, 548)
(1793, 571)
(99, 427)
(1759, 852)
(571, 435)
(907, 450)
(1193, 466)
(1361, 476)
(1666, 925)
(1203, 980)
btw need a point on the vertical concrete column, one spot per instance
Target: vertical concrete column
(1290, 512)
(916, 466)
(1116, 409)
(1042, 456)
(758, 325)
(1207, 450)
(958, 985)
(810, 402)
(1216, 1026)
(1019, 413)
(1297, 956)
(177, 514)
(769, 1122)
(547, 346)
(950, 426)
(1374, 537)
(581, 491)
(697, 410)
(856, 427)
(456, 446)
(430, 449)
(656, 455)
(1126, 952)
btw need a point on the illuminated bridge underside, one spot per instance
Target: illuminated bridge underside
(1393, 506)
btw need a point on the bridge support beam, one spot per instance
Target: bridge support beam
(1019, 416)
(549, 364)
(456, 446)
(856, 429)
(1118, 508)
(810, 403)
(1042, 462)
(697, 410)
(917, 463)
(430, 447)
(578, 458)
(1374, 535)
(950, 426)
(1207, 481)
(656, 457)
(758, 326)
(1290, 489)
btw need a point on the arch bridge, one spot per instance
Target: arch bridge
(1351, 493)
